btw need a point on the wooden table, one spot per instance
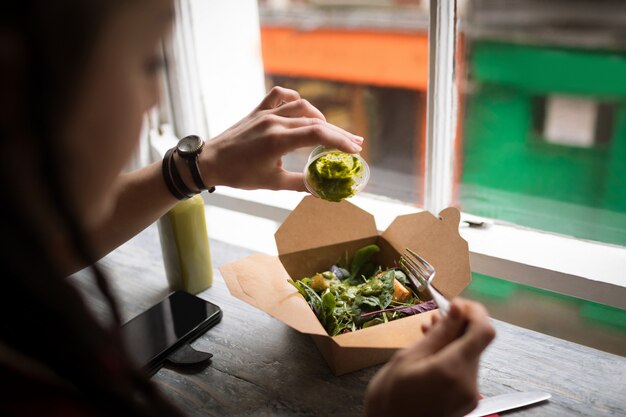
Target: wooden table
(261, 367)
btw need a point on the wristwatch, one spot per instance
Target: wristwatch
(189, 148)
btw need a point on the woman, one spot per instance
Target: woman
(76, 78)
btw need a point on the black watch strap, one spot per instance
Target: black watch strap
(178, 180)
(172, 178)
(194, 167)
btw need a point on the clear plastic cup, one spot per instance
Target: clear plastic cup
(334, 175)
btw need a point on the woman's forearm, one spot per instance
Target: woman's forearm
(140, 198)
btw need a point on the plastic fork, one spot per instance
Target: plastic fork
(421, 273)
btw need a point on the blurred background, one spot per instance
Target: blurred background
(541, 116)
(541, 138)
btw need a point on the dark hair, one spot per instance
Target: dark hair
(44, 48)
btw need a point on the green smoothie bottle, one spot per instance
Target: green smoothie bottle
(185, 246)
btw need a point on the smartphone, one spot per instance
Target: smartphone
(159, 331)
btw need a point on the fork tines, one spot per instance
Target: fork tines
(425, 272)
(418, 265)
(413, 273)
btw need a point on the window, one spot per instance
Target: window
(364, 64)
(537, 162)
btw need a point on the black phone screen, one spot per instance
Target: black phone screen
(154, 334)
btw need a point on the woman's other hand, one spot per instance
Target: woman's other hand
(438, 375)
(248, 155)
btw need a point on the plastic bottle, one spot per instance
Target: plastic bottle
(185, 246)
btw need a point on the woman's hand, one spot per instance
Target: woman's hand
(248, 155)
(438, 375)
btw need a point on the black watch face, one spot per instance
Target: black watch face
(190, 145)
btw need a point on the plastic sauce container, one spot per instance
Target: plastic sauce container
(334, 175)
(185, 246)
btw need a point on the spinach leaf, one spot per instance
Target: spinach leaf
(356, 311)
(401, 277)
(360, 258)
(328, 304)
(367, 270)
(376, 292)
(328, 311)
(367, 302)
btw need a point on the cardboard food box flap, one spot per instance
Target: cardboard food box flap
(261, 281)
(317, 232)
(316, 223)
(438, 241)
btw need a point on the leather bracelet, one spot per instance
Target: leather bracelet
(172, 178)
(194, 167)
(178, 180)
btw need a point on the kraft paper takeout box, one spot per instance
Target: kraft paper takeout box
(313, 237)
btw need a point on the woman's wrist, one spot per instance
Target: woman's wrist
(185, 173)
(207, 164)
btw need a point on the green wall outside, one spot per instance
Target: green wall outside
(541, 70)
(511, 173)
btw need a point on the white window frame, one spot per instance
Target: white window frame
(589, 270)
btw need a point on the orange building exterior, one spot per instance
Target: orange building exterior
(361, 57)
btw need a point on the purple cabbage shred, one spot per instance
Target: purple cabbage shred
(408, 310)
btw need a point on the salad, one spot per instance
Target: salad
(356, 294)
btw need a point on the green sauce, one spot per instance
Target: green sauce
(333, 175)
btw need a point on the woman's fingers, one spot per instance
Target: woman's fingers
(320, 134)
(295, 122)
(477, 335)
(278, 96)
(434, 319)
(302, 108)
(293, 181)
(467, 325)
(298, 108)
(441, 332)
(354, 138)
(316, 133)
(308, 126)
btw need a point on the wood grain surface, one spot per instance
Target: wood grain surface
(261, 367)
